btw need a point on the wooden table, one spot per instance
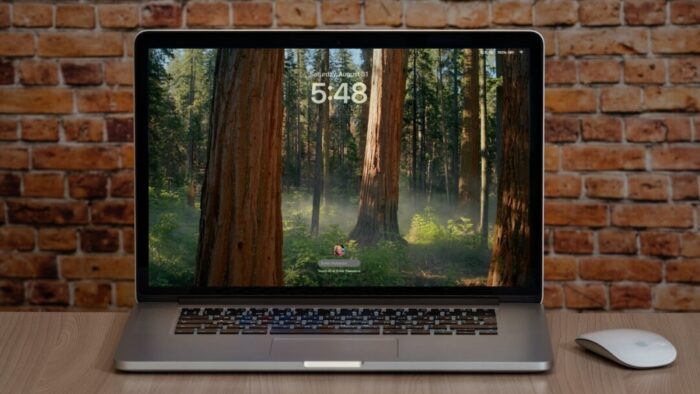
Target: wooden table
(72, 352)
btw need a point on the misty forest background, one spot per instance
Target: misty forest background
(452, 139)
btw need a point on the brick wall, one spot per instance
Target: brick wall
(622, 161)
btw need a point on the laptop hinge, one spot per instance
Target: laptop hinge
(338, 301)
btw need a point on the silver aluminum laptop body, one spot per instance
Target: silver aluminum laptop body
(522, 344)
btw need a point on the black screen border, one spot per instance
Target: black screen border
(148, 39)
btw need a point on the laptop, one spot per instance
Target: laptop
(338, 201)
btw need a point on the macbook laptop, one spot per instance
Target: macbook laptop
(338, 201)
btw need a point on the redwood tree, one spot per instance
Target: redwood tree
(379, 192)
(470, 143)
(240, 241)
(511, 245)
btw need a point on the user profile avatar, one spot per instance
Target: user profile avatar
(339, 250)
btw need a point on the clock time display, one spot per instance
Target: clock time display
(357, 93)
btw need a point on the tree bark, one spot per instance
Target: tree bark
(470, 144)
(484, 199)
(240, 241)
(379, 193)
(320, 165)
(511, 246)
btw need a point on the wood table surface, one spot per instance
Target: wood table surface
(72, 352)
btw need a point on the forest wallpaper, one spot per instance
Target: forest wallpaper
(338, 167)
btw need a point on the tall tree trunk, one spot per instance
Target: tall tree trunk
(470, 144)
(511, 244)
(454, 145)
(297, 140)
(320, 168)
(414, 136)
(240, 241)
(379, 193)
(499, 114)
(326, 109)
(191, 188)
(443, 132)
(364, 110)
(484, 199)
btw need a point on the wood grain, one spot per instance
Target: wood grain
(72, 352)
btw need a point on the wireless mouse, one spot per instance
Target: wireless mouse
(631, 348)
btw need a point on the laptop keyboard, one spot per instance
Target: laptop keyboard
(337, 321)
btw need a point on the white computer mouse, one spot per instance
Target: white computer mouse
(631, 348)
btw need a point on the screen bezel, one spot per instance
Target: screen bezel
(145, 40)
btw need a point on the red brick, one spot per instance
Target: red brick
(120, 129)
(32, 15)
(511, 13)
(602, 157)
(561, 129)
(645, 71)
(599, 13)
(685, 187)
(558, 71)
(296, 13)
(38, 73)
(685, 12)
(7, 73)
(634, 296)
(340, 12)
(92, 101)
(677, 298)
(128, 240)
(657, 129)
(97, 267)
(549, 41)
(4, 20)
(653, 215)
(468, 15)
(648, 187)
(690, 245)
(161, 15)
(559, 268)
(567, 214)
(9, 184)
(675, 158)
(621, 99)
(249, 14)
(16, 238)
(102, 240)
(39, 129)
(87, 185)
(125, 293)
(573, 241)
(48, 292)
(675, 40)
(75, 15)
(41, 184)
(426, 15)
(118, 16)
(127, 156)
(113, 212)
(38, 212)
(617, 242)
(81, 73)
(605, 41)
(585, 296)
(80, 44)
(563, 186)
(609, 187)
(75, 158)
(684, 70)
(83, 129)
(599, 71)
(16, 44)
(36, 101)
(551, 158)
(13, 158)
(683, 271)
(89, 294)
(8, 130)
(29, 265)
(619, 268)
(570, 100)
(57, 239)
(553, 296)
(645, 12)
(601, 128)
(119, 73)
(660, 244)
(555, 12)
(672, 98)
(122, 184)
(11, 292)
(208, 14)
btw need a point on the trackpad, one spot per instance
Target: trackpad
(361, 349)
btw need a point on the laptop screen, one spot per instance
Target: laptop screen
(338, 167)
